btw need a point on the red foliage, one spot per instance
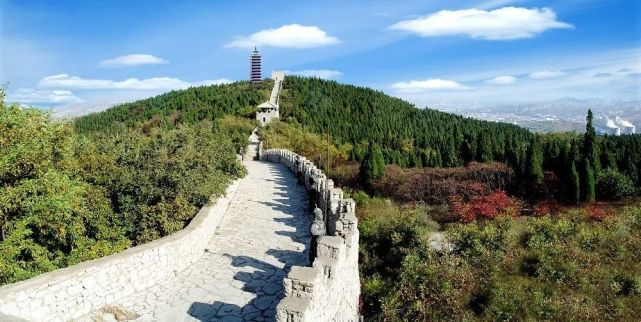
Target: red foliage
(485, 207)
(548, 207)
(596, 213)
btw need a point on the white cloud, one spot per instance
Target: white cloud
(546, 74)
(31, 96)
(427, 85)
(502, 80)
(320, 73)
(499, 24)
(288, 36)
(132, 60)
(156, 83)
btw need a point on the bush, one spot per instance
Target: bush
(613, 185)
(436, 185)
(485, 207)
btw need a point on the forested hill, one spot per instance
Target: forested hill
(408, 136)
(182, 106)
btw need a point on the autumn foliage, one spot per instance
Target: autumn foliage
(490, 206)
(595, 212)
(436, 185)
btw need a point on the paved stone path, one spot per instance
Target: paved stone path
(264, 232)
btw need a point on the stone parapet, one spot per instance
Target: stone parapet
(329, 290)
(74, 291)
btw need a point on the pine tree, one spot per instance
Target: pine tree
(373, 165)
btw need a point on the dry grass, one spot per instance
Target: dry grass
(119, 313)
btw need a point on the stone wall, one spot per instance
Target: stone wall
(329, 290)
(71, 292)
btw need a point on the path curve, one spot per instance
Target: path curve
(264, 232)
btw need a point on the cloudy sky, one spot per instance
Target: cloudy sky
(84, 54)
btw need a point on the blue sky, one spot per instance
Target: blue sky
(87, 54)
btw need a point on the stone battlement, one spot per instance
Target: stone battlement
(329, 290)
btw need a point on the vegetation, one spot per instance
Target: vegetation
(474, 220)
(67, 197)
(179, 107)
(568, 267)
(409, 137)
(460, 219)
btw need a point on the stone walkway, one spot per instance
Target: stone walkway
(264, 232)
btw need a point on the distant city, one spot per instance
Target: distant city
(566, 114)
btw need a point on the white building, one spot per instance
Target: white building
(270, 110)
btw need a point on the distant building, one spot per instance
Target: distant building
(270, 110)
(255, 67)
(617, 126)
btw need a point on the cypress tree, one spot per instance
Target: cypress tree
(466, 152)
(534, 162)
(484, 148)
(373, 165)
(574, 185)
(630, 169)
(589, 148)
(588, 192)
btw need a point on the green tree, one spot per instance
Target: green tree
(534, 162)
(574, 186)
(588, 183)
(373, 165)
(589, 148)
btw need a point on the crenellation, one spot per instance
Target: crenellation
(329, 290)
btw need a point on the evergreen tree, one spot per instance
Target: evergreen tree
(534, 162)
(574, 187)
(589, 149)
(588, 192)
(484, 148)
(630, 169)
(373, 165)
(466, 152)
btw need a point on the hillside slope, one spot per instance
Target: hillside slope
(178, 107)
(409, 136)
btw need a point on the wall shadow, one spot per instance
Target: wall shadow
(261, 278)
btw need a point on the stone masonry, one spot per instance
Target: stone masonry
(216, 269)
(329, 290)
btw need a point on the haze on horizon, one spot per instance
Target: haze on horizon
(85, 55)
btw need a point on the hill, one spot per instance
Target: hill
(408, 136)
(179, 107)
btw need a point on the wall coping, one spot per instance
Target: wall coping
(329, 289)
(204, 217)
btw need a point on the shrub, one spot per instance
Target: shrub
(613, 185)
(485, 207)
(596, 213)
(436, 185)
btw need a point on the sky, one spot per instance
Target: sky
(88, 54)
